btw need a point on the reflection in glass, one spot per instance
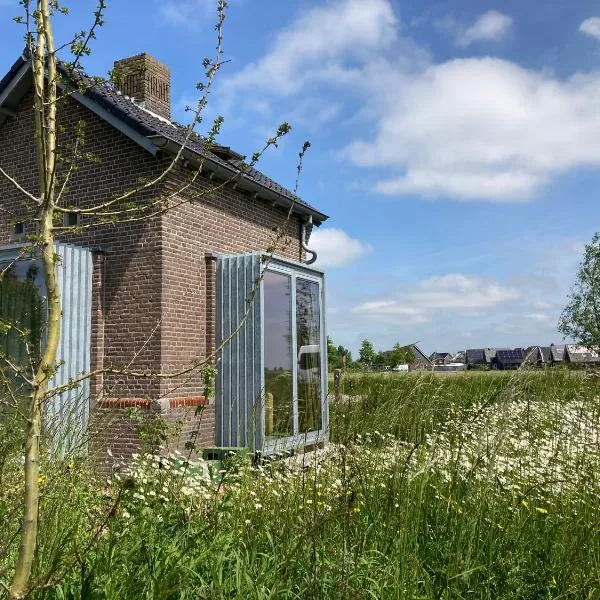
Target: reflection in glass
(278, 355)
(308, 338)
(21, 323)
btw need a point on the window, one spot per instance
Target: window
(71, 219)
(19, 230)
(272, 374)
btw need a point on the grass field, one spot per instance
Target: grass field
(434, 487)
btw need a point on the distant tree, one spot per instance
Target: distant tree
(336, 355)
(344, 353)
(366, 354)
(332, 354)
(381, 360)
(397, 356)
(580, 320)
(400, 355)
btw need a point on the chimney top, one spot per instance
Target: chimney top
(147, 80)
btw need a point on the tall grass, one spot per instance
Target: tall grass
(468, 486)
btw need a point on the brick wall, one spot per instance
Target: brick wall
(147, 80)
(127, 279)
(153, 286)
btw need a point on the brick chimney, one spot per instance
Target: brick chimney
(148, 81)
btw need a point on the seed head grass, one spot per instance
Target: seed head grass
(465, 486)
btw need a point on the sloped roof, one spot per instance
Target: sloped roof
(512, 357)
(490, 353)
(157, 128)
(581, 354)
(475, 356)
(459, 356)
(546, 353)
(420, 356)
(557, 352)
(439, 356)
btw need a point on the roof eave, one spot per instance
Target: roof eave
(13, 87)
(212, 166)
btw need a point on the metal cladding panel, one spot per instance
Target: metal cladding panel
(67, 414)
(239, 369)
(240, 384)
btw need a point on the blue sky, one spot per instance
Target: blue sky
(455, 145)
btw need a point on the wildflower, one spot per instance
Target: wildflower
(257, 505)
(524, 503)
(543, 511)
(357, 509)
(41, 479)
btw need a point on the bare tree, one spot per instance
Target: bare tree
(54, 80)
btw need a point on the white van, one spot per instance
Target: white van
(309, 363)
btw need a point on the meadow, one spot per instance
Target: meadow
(433, 487)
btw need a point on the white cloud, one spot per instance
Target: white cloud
(492, 25)
(591, 27)
(473, 129)
(312, 46)
(335, 248)
(481, 128)
(453, 293)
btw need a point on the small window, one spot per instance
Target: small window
(19, 229)
(71, 219)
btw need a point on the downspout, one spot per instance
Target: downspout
(306, 249)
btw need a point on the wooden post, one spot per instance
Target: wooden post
(269, 412)
(337, 384)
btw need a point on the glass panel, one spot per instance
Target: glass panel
(308, 337)
(278, 355)
(21, 323)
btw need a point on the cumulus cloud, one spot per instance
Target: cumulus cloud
(312, 46)
(482, 128)
(473, 129)
(453, 293)
(492, 25)
(591, 27)
(335, 248)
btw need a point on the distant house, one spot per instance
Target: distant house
(539, 356)
(490, 356)
(459, 357)
(557, 353)
(475, 358)
(421, 361)
(581, 356)
(440, 358)
(510, 359)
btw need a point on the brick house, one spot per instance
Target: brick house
(165, 290)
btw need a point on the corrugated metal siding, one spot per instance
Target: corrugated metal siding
(66, 415)
(240, 369)
(239, 382)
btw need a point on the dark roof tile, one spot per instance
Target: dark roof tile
(149, 124)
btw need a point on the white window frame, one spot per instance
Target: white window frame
(297, 439)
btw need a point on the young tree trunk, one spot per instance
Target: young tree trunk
(44, 75)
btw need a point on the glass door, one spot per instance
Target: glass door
(308, 355)
(293, 358)
(279, 368)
